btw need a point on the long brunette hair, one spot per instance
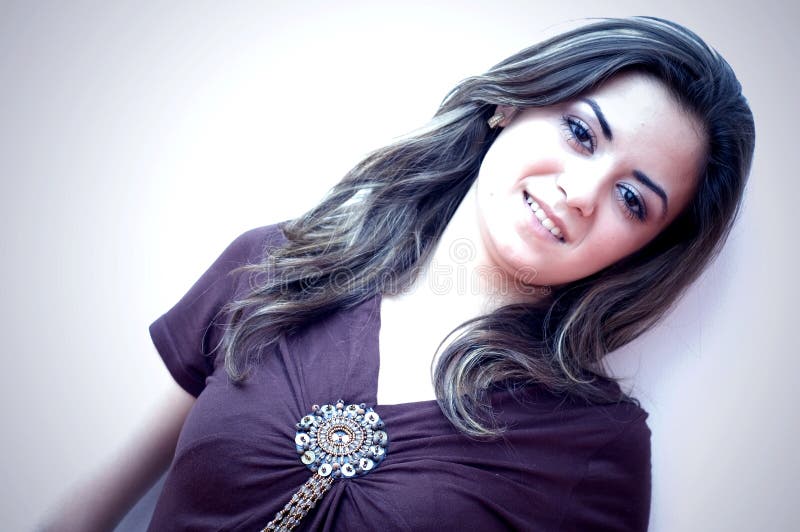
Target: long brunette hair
(380, 224)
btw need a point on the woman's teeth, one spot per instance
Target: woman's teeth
(542, 217)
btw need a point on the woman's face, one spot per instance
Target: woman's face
(567, 190)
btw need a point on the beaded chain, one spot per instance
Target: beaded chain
(300, 504)
(335, 442)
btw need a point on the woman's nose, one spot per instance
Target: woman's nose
(580, 189)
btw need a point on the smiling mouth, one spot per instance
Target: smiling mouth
(541, 216)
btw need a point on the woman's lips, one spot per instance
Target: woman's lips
(545, 217)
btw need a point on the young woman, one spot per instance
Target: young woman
(553, 210)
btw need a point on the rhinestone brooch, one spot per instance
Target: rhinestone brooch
(335, 441)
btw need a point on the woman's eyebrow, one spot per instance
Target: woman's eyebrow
(649, 183)
(600, 117)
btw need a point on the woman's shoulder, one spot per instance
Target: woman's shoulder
(593, 424)
(600, 450)
(258, 239)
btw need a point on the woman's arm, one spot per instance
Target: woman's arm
(102, 500)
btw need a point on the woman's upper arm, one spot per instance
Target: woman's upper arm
(102, 499)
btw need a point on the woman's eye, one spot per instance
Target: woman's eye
(579, 134)
(632, 202)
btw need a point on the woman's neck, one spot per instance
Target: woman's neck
(455, 285)
(460, 274)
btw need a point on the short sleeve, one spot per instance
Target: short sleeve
(186, 336)
(614, 494)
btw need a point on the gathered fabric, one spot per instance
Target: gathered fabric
(562, 464)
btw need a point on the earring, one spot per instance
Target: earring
(495, 120)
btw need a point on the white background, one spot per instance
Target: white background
(137, 139)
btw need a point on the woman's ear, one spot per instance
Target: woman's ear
(503, 114)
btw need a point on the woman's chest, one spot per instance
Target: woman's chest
(414, 330)
(432, 476)
(406, 346)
